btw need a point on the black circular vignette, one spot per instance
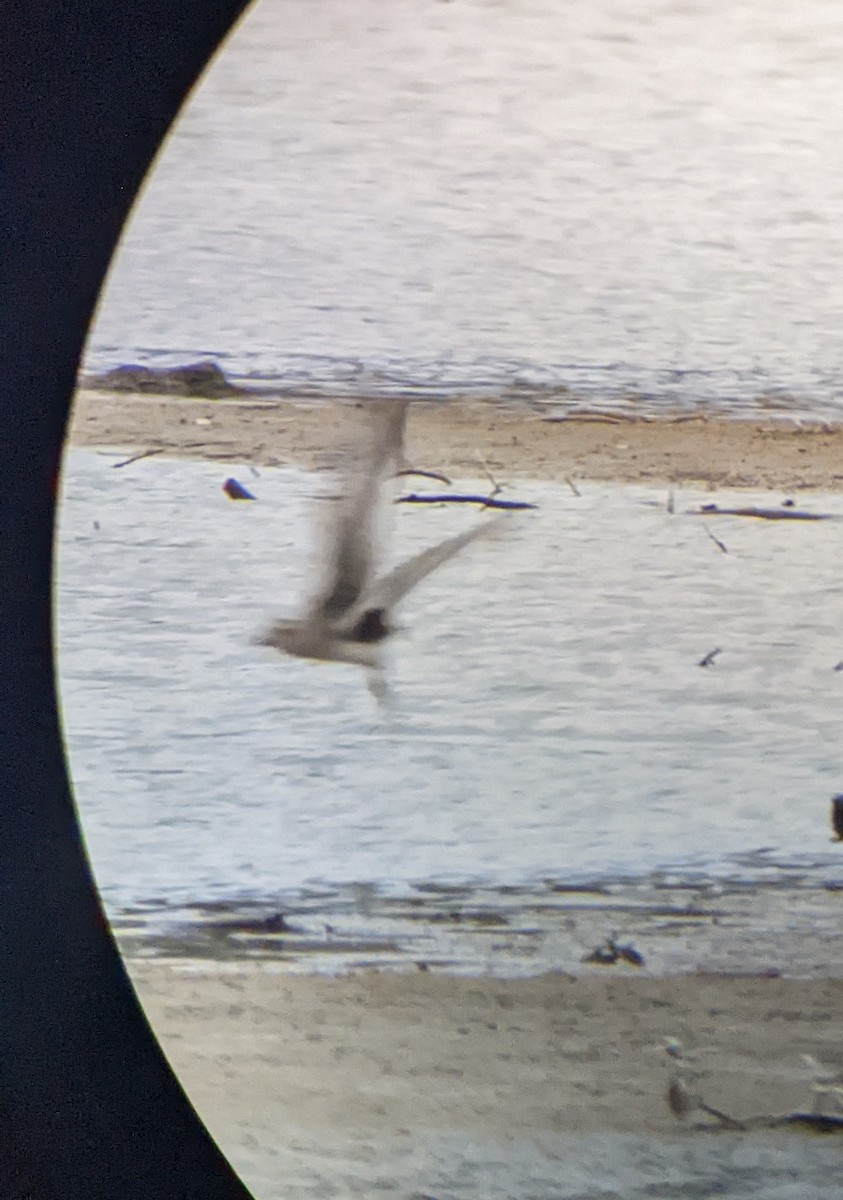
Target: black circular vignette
(89, 1106)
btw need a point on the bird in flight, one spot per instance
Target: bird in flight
(351, 614)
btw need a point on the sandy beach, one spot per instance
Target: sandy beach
(329, 1085)
(452, 437)
(426, 1085)
(384, 1051)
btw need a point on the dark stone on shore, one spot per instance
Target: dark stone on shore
(202, 380)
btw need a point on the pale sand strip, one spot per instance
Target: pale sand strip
(449, 438)
(261, 1053)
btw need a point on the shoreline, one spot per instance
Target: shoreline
(787, 928)
(459, 436)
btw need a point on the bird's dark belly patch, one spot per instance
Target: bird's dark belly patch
(371, 627)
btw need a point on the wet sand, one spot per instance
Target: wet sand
(272, 1060)
(452, 438)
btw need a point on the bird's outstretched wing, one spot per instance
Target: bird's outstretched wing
(350, 552)
(389, 589)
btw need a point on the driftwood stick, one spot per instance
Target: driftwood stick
(572, 486)
(462, 498)
(724, 1118)
(603, 418)
(137, 457)
(708, 659)
(720, 546)
(763, 514)
(437, 475)
(815, 1122)
(497, 488)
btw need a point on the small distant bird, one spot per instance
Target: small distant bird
(837, 817)
(826, 1084)
(351, 615)
(676, 1049)
(680, 1099)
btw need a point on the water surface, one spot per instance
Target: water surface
(550, 719)
(641, 199)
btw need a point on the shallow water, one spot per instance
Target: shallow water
(550, 723)
(628, 200)
(447, 1166)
